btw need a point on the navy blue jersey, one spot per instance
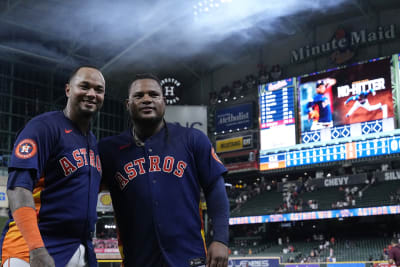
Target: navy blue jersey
(155, 190)
(67, 173)
(325, 112)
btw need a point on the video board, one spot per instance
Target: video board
(317, 215)
(335, 152)
(277, 114)
(344, 101)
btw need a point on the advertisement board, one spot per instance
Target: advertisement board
(346, 264)
(234, 143)
(3, 197)
(240, 161)
(188, 116)
(253, 262)
(317, 215)
(234, 118)
(104, 202)
(351, 96)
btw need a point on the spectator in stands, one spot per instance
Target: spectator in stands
(249, 85)
(263, 75)
(237, 87)
(276, 72)
(225, 93)
(213, 97)
(394, 252)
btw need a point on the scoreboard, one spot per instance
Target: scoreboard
(313, 155)
(277, 114)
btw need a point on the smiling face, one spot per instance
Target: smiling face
(85, 92)
(146, 103)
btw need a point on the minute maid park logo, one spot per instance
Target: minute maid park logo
(171, 90)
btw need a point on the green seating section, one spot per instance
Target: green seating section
(324, 196)
(373, 195)
(378, 194)
(262, 204)
(350, 250)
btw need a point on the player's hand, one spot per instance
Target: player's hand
(40, 257)
(217, 255)
(313, 115)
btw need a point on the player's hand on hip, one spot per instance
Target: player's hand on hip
(40, 257)
(217, 255)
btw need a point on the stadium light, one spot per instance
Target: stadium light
(208, 6)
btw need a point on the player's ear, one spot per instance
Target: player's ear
(127, 104)
(67, 90)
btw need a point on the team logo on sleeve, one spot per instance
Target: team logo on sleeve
(215, 156)
(26, 149)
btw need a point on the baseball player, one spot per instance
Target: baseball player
(319, 110)
(54, 178)
(155, 172)
(361, 101)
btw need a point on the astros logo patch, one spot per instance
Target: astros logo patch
(215, 156)
(26, 149)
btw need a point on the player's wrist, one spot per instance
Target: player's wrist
(26, 221)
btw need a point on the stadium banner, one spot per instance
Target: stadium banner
(242, 167)
(188, 116)
(339, 180)
(234, 118)
(302, 265)
(253, 262)
(235, 143)
(3, 197)
(351, 96)
(104, 202)
(240, 161)
(105, 245)
(393, 175)
(317, 215)
(383, 264)
(346, 264)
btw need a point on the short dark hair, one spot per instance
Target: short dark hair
(320, 82)
(75, 71)
(143, 76)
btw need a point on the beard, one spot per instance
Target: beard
(146, 122)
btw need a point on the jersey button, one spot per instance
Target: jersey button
(150, 150)
(154, 181)
(156, 203)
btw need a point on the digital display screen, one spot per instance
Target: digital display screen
(328, 153)
(338, 103)
(277, 114)
(316, 215)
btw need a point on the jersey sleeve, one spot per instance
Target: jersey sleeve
(209, 166)
(31, 150)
